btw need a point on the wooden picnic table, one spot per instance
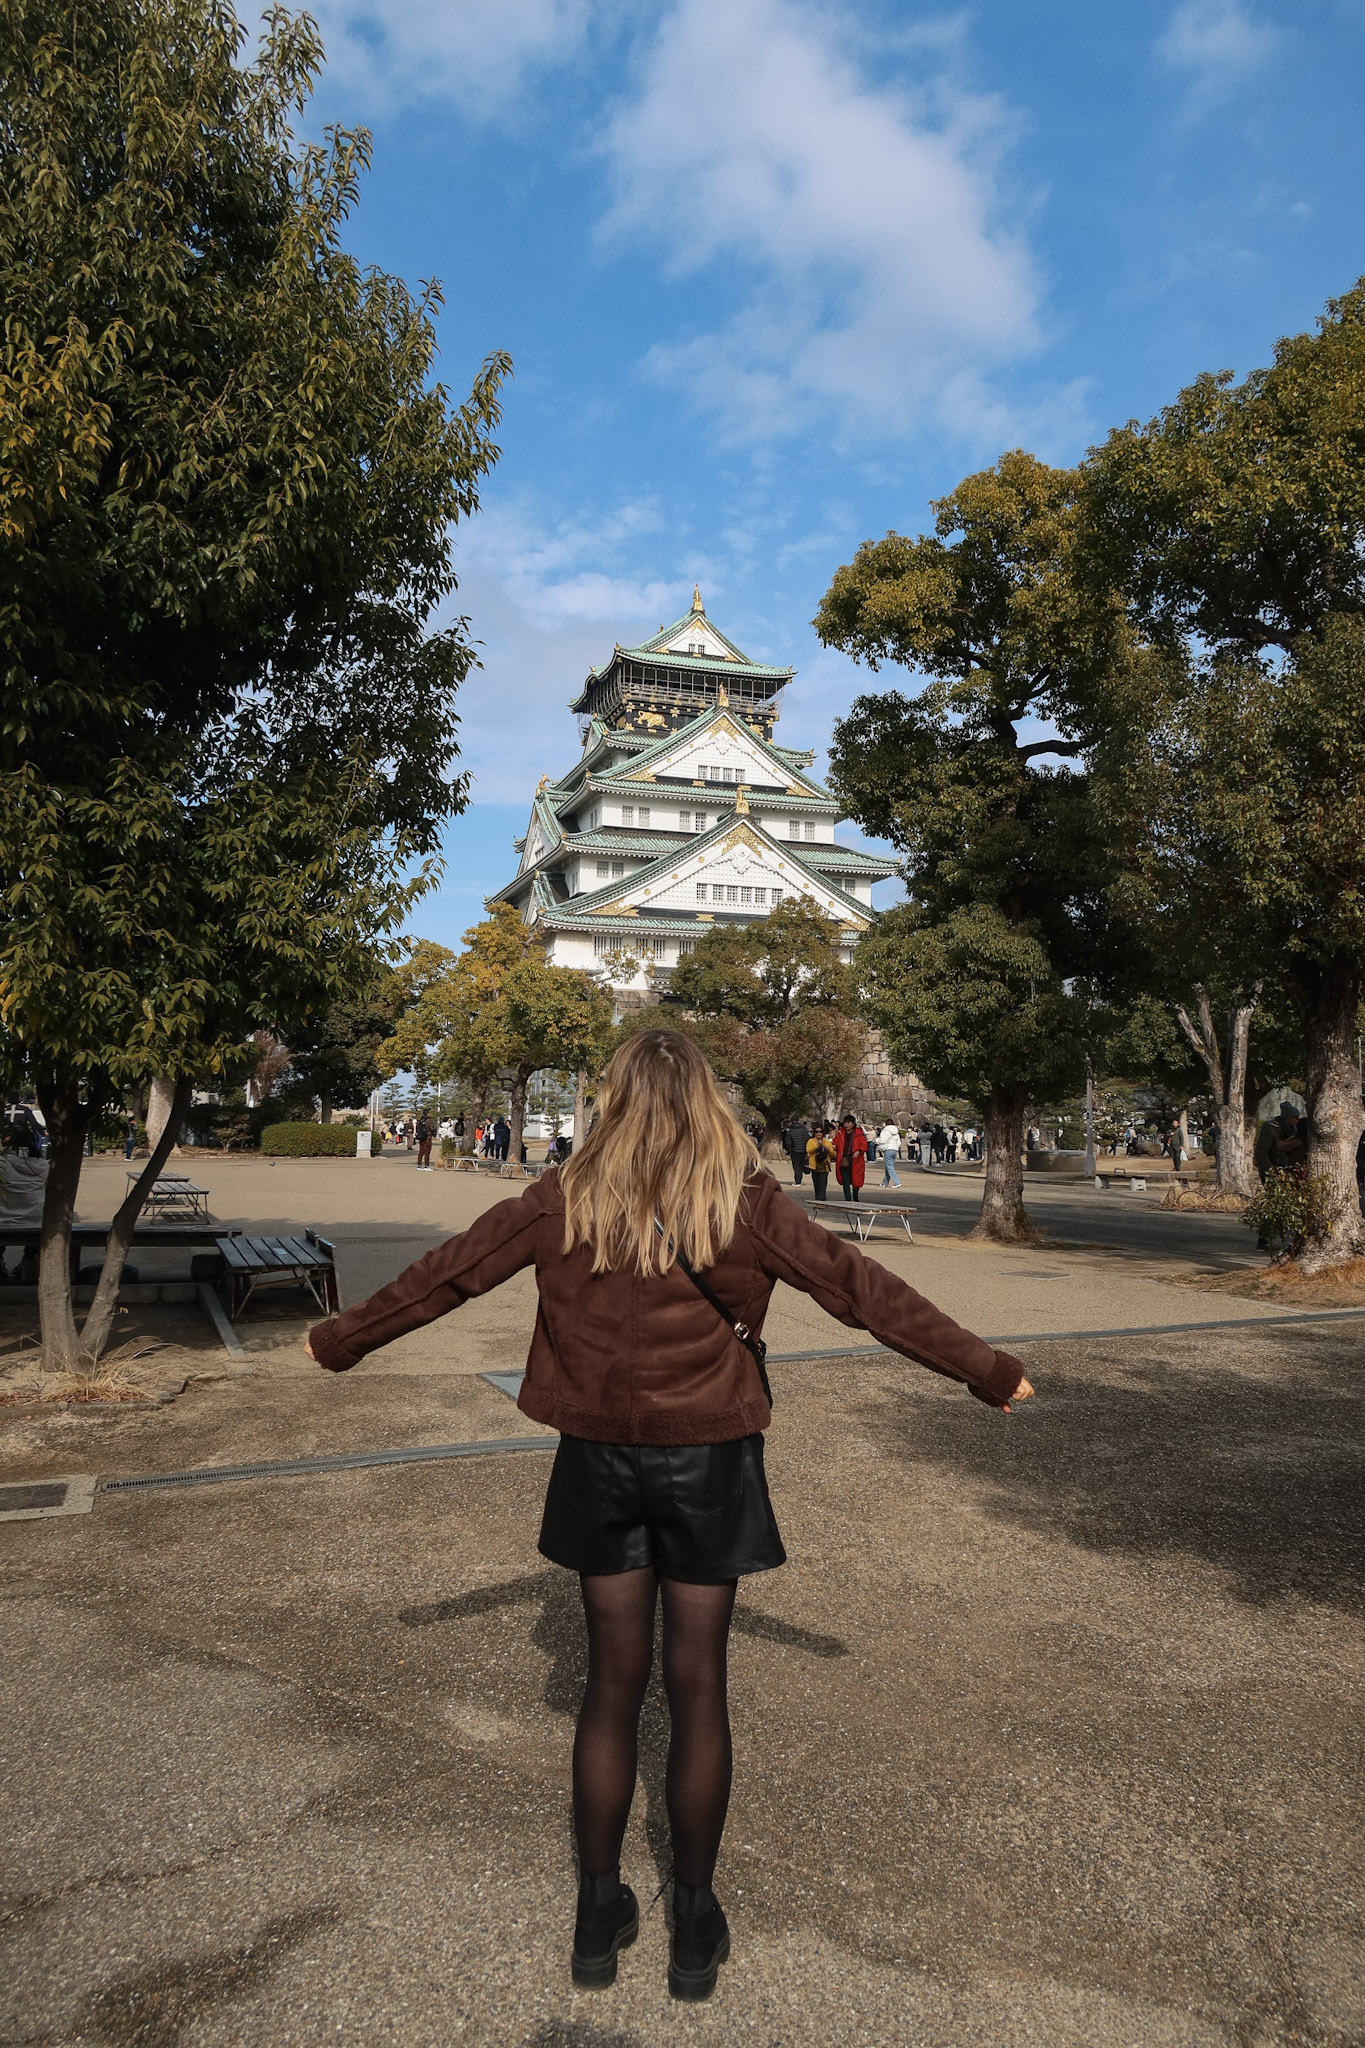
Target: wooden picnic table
(251, 1263)
(863, 1217)
(94, 1236)
(170, 1193)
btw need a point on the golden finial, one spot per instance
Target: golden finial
(696, 597)
(542, 785)
(741, 801)
(723, 697)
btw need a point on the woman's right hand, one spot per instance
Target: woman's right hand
(1023, 1392)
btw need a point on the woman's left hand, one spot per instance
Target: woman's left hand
(308, 1350)
(1023, 1392)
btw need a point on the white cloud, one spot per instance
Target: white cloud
(476, 53)
(1216, 43)
(877, 282)
(547, 602)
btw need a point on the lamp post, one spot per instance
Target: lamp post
(1089, 1122)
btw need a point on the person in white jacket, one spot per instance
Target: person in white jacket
(889, 1145)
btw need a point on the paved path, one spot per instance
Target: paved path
(998, 1291)
(1048, 1733)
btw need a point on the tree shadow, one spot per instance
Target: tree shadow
(1157, 1454)
(558, 1632)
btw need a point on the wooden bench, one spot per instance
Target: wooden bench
(173, 1194)
(251, 1263)
(862, 1219)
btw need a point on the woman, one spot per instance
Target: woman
(889, 1145)
(820, 1159)
(658, 1390)
(850, 1157)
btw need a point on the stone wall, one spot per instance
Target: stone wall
(876, 1091)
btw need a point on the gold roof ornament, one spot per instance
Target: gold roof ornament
(542, 785)
(722, 697)
(696, 598)
(742, 801)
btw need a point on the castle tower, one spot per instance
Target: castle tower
(680, 813)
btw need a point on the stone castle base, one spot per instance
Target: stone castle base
(875, 1092)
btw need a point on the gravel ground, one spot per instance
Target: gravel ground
(1048, 1733)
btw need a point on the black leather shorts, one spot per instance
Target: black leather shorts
(696, 1512)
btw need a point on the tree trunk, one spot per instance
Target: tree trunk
(770, 1146)
(517, 1116)
(67, 1124)
(1003, 1216)
(100, 1318)
(580, 1108)
(1334, 1111)
(160, 1097)
(325, 1106)
(1227, 1085)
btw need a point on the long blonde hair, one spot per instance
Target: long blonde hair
(665, 1144)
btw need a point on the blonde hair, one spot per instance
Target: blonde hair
(665, 1144)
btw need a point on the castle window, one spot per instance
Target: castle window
(701, 892)
(794, 828)
(810, 831)
(604, 943)
(760, 897)
(627, 814)
(732, 894)
(603, 869)
(644, 815)
(618, 867)
(686, 946)
(746, 895)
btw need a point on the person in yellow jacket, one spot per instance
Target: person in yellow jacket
(820, 1159)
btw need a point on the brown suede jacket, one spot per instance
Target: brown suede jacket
(625, 1360)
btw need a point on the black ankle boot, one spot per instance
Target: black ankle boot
(608, 1921)
(701, 1941)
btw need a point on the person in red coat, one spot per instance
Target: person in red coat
(850, 1157)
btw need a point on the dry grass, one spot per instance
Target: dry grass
(1202, 1198)
(26, 1381)
(1339, 1287)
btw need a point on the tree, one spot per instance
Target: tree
(227, 483)
(999, 835)
(555, 1017)
(970, 1001)
(335, 1053)
(496, 1010)
(1235, 521)
(770, 1004)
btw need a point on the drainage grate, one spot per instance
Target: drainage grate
(346, 1461)
(31, 1500)
(17, 1499)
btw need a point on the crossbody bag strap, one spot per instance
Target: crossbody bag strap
(752, 1343)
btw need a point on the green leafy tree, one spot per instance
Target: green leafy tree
(497, 1012)
(1236, 522)
(998, 833)
(772, 1005)
(969, 1000)
(227, 484)
(335, 1053)
(555, 1017)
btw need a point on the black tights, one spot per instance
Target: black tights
(620, 1617)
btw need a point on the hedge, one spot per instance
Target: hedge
(309, 1141)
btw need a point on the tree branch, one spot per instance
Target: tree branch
(1026, 753)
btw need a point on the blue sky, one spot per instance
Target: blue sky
(774, 275)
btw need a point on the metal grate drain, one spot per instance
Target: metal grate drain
(345, 1461)
(30, 1500)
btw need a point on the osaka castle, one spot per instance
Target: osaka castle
(680, 813)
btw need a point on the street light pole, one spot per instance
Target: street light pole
(1089, 1122)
